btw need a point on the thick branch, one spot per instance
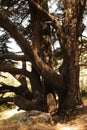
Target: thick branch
(13, 70)
(5, 100)
(20, 101)
(17, 90)
(23, 103)
(28, 105)
(55, 22)
(13, 57)
(41, 11)
(48, 74)
(6, 88)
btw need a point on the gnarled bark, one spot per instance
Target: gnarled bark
(70, 49)
(66, 84)
(49, 74)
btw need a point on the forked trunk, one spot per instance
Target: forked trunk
(65, 85)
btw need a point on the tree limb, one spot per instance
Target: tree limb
(13, 57)
(55, 22)
(5, 100)
(43, 69)
(41, 11)
(13, 70)
(17, 90)
(20, 101)
(23, 103)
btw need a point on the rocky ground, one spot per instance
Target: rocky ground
(35, 120)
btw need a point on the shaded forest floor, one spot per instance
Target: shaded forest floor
(78, 121)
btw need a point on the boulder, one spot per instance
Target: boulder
(34, 117)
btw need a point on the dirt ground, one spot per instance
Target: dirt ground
(9, 121)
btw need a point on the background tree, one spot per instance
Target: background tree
(42, 27)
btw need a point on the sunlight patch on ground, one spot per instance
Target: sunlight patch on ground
(9, 113)
(79, 122)
(64, 127)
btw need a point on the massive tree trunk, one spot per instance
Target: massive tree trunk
(70, 48)
(65, 85)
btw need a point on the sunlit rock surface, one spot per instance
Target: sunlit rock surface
(34, 117)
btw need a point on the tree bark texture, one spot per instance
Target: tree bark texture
(42, 46)
(66, 84)
(70, 67)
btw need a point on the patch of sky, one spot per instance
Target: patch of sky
(13, 47)
(85, 23)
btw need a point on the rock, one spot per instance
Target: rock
(34, 117)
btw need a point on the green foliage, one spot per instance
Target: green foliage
(3, 46)
(84, 91)
(19, 13)
(83, 53)
(9, 3)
